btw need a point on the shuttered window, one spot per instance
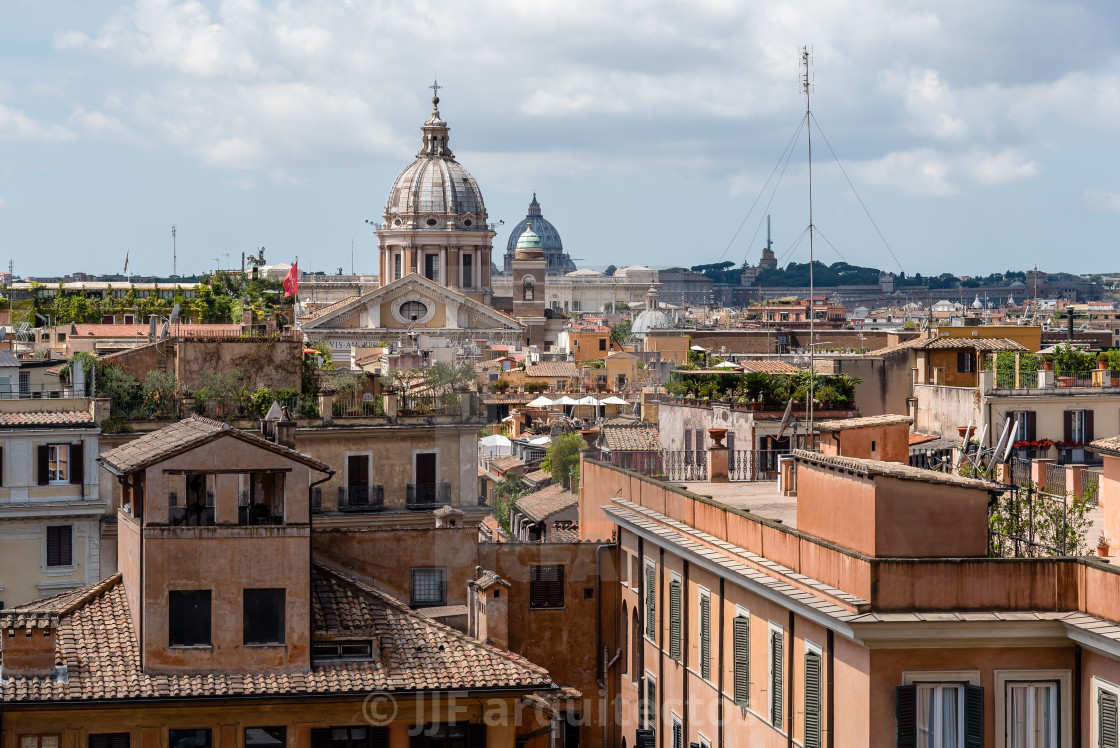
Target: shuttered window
(777, 658)
(812, 700)
(109, 740)
(675, 620)
(741, 653)
(546, 586)
(1107, 718)
(705, 635)
(651, 601)
(929, 714)
(651, 701)
(678, 735)
(60, 545)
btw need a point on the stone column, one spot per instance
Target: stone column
(326, 407)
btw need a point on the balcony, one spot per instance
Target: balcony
(428, 495)
(361, 498)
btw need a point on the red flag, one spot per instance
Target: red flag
(290, 282)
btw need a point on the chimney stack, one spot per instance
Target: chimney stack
(29, 639)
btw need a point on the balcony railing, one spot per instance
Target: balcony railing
(428, 495)
(361, 498)
(39, 391)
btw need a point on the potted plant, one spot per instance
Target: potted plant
(1103, 543)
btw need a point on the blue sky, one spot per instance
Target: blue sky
(981, 136)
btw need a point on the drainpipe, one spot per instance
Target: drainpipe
(789, 684)
(311, 556)
(1077, 676)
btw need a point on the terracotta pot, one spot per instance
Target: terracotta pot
(1048, 366)
(1102, 551)
(962, 429)
(718, 435)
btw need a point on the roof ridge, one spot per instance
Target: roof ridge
(393, 602)
(97, 589)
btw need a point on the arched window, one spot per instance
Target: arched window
(527, 287)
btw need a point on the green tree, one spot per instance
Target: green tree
(562, 460)
(611, 270)
(620, 333)
(506, 493)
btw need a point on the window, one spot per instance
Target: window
(342, 650)
(398, 266)
(602, 344)
(678, 733)
(431, 267)
(946, 714)
(1026, 425)
(54, 460)
(651, 600)
(813, 696)
(546, 586)
(675, 619)
(705, 628)
(428, 587)
(468, 271)
(263, 616)
(1031, 714)
(731, 442)
(60, 545)
(188, 739)
(688, 445)
(266, 737)
(109, 740)
(188, 618)
(198, 503)
(413, 310)
(777, 675)
(741, 658)
(38, 741)
(651, 701)
(964, 362)
(1078, 425)
(527, 289)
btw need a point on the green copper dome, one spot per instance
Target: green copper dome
(528, 239)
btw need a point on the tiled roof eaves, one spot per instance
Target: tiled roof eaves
(684, 540)
(872, 468)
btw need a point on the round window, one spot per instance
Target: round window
(397, 222)
(467, 222)
(431, 222)
(413, 310)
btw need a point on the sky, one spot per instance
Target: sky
(952, 136)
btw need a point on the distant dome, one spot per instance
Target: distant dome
(435, 191)
(652, 318)
(550, 243)
(585, 273)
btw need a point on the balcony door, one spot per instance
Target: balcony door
(357, 479)
(426, 469)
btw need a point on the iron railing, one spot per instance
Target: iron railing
(430, 405)
(361, 498)
(754, 464)
(1024, 522)
(427, 495)
(26, 391)
(356, 404)
(1054, 479)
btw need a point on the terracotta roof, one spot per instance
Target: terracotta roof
(97, 645)
(141, 331)
(1109, 446)
(916, 438)
(552, 369)
(506, 463)
(488, 579)
(640, 437)
(872, 468)
(565, 533)
(183, 436)
(538, 476)
(544, 503)
(490, 530)
(843, 424)
(770, 367)
(47, 418)
(976, 344)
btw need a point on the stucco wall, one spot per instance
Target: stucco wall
(941, 409)
(266, 363)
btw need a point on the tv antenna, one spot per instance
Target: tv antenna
(174, 255)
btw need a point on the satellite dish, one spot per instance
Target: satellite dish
(174, 314)
(163, 331)
(3, 333)
(152, 321)
(41, 317)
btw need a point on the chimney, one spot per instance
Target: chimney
(29, 644)
(286, 434)
(491, 609)
(246, 317)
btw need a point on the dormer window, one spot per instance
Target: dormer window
(343, 650)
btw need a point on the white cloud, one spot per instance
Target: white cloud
(998, 168)
(98, 124)
(15, 125)
(917, 172)
(1101, 200)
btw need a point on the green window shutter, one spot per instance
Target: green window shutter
(973, 717)
(777, 655)
(705, 638)
(651, 704)
(812, 700)
(741, 649)
(1107, 709)
(675, 620)
(651, 602)
(906, 716)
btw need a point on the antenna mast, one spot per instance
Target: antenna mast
(174, 256)
(807, 87)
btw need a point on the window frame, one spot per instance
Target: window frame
(207, 730)
(106, 738)
(676, 619)
(1064, 681)
(553, 587)
(703, 633)
(744, 613)
(814, 649)
(53, 451)
(71, 563)
(282, 728)
(1096, 685)
(413, 600)
(649, 599)
(648, 715)
(771, 629)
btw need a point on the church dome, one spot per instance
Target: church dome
(435, 191)
(551, 246)
(652, 318)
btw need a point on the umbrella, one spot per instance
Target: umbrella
(612, 400)
(540, 402)
(698, 348)
(587, 401)
(726, 365)
(564, 400)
